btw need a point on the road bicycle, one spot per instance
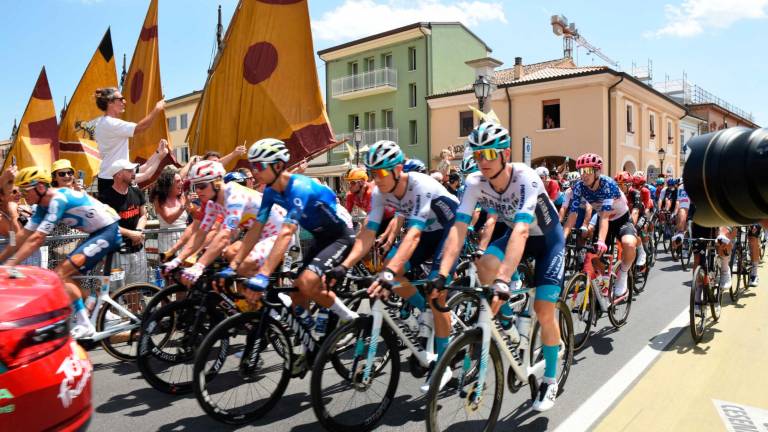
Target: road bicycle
(705, 288)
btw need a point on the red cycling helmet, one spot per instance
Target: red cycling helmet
(623, 177)
(589, 160)
(638, 180)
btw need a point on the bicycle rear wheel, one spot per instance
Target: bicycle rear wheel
(134, 298)
(618, 310)
(581, 305)
(166, 295)
(715, 294)
(698, 318)
(737, 286)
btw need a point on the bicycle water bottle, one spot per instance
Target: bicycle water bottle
(159, 281)
(321, 322)
(90, 302)
(523, 323)
(304, 317)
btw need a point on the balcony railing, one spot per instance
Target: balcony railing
(369, 137)
(364, 84)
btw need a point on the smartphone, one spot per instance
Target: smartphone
(80, 178)
(13, 160)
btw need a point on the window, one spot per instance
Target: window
(369, 64)
(370, 120)
(412, 58)
(389, 119)
(182, 154)
(183, 121)
(413, 133)
(551, 114)
(630, 128)
(466, 123)
(354, 122)
(386, 60)
(171, 124)
(352, 68)
(412, 95)
(653, 126)
(670, 139)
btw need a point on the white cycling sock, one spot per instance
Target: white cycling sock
(82, 317)
(340, 309)
(725, 263)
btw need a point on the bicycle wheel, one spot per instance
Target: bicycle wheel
(685, 255)
(457, 405)
(698, 320)
(737, 286)
(168, 342)
(167, 295)
(134, 298)
(715, 294)
(347, 401)
(566, 336)
(580, 303)
(226, 387)
(618, 310)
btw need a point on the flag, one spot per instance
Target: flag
(142, 90)
(264, 84)
(37, 139)
(76, 141)
(489, 116)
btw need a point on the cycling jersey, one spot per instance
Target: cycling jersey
(427, 205)
(524, 200)
(240, 209)
(682, 198)
(634, 199)
(645, 197)
(607, 198)
(581, 214)
(73, 208)
(308, 204)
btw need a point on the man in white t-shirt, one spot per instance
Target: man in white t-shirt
(112, 133)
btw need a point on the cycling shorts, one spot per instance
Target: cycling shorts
(429, 243)
(327, 252)
(620, 227)
(96, 247)
(698, 231)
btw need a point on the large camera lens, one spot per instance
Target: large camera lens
(726, 176)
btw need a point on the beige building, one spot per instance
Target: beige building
(178, 113)
(564, 111)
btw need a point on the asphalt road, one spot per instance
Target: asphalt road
(123, 401)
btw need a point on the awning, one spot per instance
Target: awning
(327, 171)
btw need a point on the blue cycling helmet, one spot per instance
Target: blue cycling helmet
(671, 182)
(414, 165)
(234, 176)
(489, 135)
(384, 155)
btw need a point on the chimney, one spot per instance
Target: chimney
(484, 67)
(518, 70)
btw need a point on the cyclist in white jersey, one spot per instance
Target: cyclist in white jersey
(79, 211)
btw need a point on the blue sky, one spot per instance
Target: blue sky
(719, 44)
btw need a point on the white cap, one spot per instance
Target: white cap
(119, 165)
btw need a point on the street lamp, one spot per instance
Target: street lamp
(482, 89)
(358, 137)
(662, 154)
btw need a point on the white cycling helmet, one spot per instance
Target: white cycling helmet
(542, 172)
(384, 155)
(206, 171)
(468, 165)
(489, 135)
(572, 176)
(269, 150)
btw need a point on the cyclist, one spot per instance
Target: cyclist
(312, 207)
(517, 194)
(603, 194)
(414, 165)
(753, 236)
(429, 210)
(681, 205)
(78, 210)
(237, 177)
(646, 197)
(724, 237)
(636, 208)
(552, 186)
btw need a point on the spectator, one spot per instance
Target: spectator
(63, 175)
(444, 166)
(453, 183)
(170, 205)
(112, 134)
(128, 201)
(548, 122)
(249, 180)
(437, 175)
(10, 219)
(226, 160)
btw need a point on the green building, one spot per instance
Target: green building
(379, 83)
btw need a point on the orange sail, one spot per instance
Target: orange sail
(76, 141)
(264, 84)
(37, 137)
(142, 89)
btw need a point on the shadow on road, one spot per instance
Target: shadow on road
(147, 398)
(516, 420)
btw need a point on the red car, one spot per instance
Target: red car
(45, 376)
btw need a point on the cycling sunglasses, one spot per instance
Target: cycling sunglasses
(260, 166)
(587, 170)
(380, 172)
(487, 154)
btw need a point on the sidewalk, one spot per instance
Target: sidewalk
(719, 384)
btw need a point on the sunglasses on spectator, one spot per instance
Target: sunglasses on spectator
(15, 192)
(65, 173)
(118, 98)
(587, 170)
(487, 154)
(378, 173)
(260, 166)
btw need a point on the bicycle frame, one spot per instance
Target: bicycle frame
(103, 298)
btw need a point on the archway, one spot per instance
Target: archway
(555, 162)
(629, 166)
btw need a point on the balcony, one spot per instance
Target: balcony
(369, 137)
(368, 83)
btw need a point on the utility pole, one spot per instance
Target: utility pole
(122, 74)
(219, 31)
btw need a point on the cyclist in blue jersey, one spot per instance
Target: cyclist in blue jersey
(312, 207)
(429, 210)
(78, 210)
(519, 197)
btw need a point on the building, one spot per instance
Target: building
(178, 113)
(690, 126)
(5, 147)
(562, 111)
(379, 83)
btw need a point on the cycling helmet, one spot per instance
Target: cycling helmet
(206, 171)
(489, 135)
(468, 165)
(659, 181)
(589, 160)
(61, 164)
(572, 176)
(542, 172)
(269, 150)
(31, 176)
(357, 174)
(384, 155)
(671, 182)
(416, 165)
(638, 180)
(639, 173)
(623, 177)
(235, 176)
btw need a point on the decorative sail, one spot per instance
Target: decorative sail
(264, 84)
(142, 90)
(37, 139)
(76, 141)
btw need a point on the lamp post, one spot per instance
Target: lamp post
(482, 89)
(662, 154)
(358, 137)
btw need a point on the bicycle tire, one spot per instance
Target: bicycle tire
(356, 421)
(582, 310)
(467, 346)
(566, 335)
(697, 323)
(617, 316)
(165, 296)
(736, 286)
(715, 295)
(204, 382)
(112, 345)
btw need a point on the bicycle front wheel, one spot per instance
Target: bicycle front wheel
(459, 404)
(618, 310)
(715, 294)
(133, 298)
(697, 310)
(536, 353)
(580, 304)
(738, 285)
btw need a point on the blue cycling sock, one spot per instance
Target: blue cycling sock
(440, 345)
(417, 300)
(78, 305)
(515, 276)
(506, 310)
(550, 360)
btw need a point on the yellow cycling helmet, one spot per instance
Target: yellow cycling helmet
(357, 174)
(61, 164)
(31, 176)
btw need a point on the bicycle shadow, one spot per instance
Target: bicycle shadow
(600, 342)
(683, 342)
(202, 422)
(147, 397)
(118, 367)
(517, 418)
